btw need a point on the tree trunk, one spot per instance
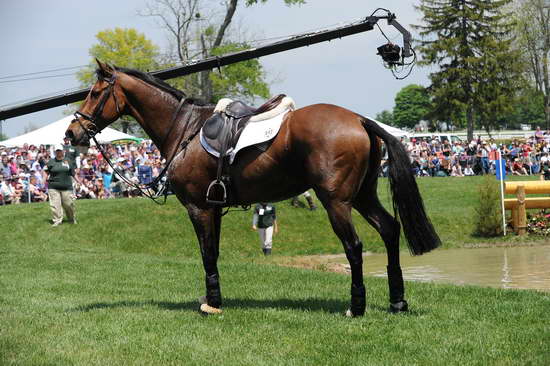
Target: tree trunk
(470, 122)
(231, 7)
(207, 88)
(546, 90)
(206, 83)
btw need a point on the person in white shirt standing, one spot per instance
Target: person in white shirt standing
(265, 222)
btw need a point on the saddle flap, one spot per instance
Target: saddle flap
(213, 126)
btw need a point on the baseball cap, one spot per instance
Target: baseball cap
(58, 147)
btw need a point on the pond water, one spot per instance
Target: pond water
(525, 267)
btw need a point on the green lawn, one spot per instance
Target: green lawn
(121, 287)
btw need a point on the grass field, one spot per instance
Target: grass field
(121, 287)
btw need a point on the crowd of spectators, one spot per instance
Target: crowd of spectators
(23, 179)
(432, 157)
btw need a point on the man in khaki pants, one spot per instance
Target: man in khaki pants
(60, 187)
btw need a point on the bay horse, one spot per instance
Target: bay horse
(325, 147)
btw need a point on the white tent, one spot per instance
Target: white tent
(393, 130)
(54, 133)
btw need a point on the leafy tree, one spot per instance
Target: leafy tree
(470, 42)
(242, 79)
(3, 136)
(412, 104)
(385, 117)
(197, 31)
(529, 108)
(123, 47)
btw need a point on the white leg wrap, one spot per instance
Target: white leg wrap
(207, 309)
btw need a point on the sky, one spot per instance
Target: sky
(39, 35)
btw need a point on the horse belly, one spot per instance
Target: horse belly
(264, 176)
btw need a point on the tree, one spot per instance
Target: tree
(197, 32)
(123, 47)
(533, 35)
(385, 117)
(242, 79)
(412, 104)
(528, 109)
(470, 42)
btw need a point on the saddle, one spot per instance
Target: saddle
(222, 131)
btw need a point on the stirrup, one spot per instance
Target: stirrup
(213, 201)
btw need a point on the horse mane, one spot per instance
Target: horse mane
(156, 82)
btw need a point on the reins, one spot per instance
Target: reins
(178, 147)
(92, 130)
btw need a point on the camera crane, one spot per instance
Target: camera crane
(392, 55)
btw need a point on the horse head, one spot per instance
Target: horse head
(104, 104)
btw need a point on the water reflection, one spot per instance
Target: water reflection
(518, 267)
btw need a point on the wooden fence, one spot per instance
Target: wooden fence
(521, 203)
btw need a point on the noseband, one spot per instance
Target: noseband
(92, 128)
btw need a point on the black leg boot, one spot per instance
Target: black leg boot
(213, 292)
(397, 290)
(358, 301)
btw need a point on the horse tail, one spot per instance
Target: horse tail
(419, 231)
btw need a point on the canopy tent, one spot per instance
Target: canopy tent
(393, 130)
(54, 133)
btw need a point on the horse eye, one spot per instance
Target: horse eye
(94, 94)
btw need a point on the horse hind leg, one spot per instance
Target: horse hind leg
(339, 214)
(388, 227)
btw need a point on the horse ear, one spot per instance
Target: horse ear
(105, 68)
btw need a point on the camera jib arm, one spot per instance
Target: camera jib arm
(391, 53)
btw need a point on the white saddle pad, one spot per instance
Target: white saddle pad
(260, 128)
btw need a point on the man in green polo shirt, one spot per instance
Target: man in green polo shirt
(60, 187)
(70, 152)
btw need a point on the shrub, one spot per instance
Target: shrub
(488, 215)
(539, 223)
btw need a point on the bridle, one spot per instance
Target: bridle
(93, 130)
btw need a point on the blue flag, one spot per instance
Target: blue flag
(501, 169)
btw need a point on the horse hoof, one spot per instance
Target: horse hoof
(399, 307)
(206, 309)
(350, 314)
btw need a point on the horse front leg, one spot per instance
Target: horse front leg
(207, 225)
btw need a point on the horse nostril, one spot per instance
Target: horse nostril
(69, 134)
